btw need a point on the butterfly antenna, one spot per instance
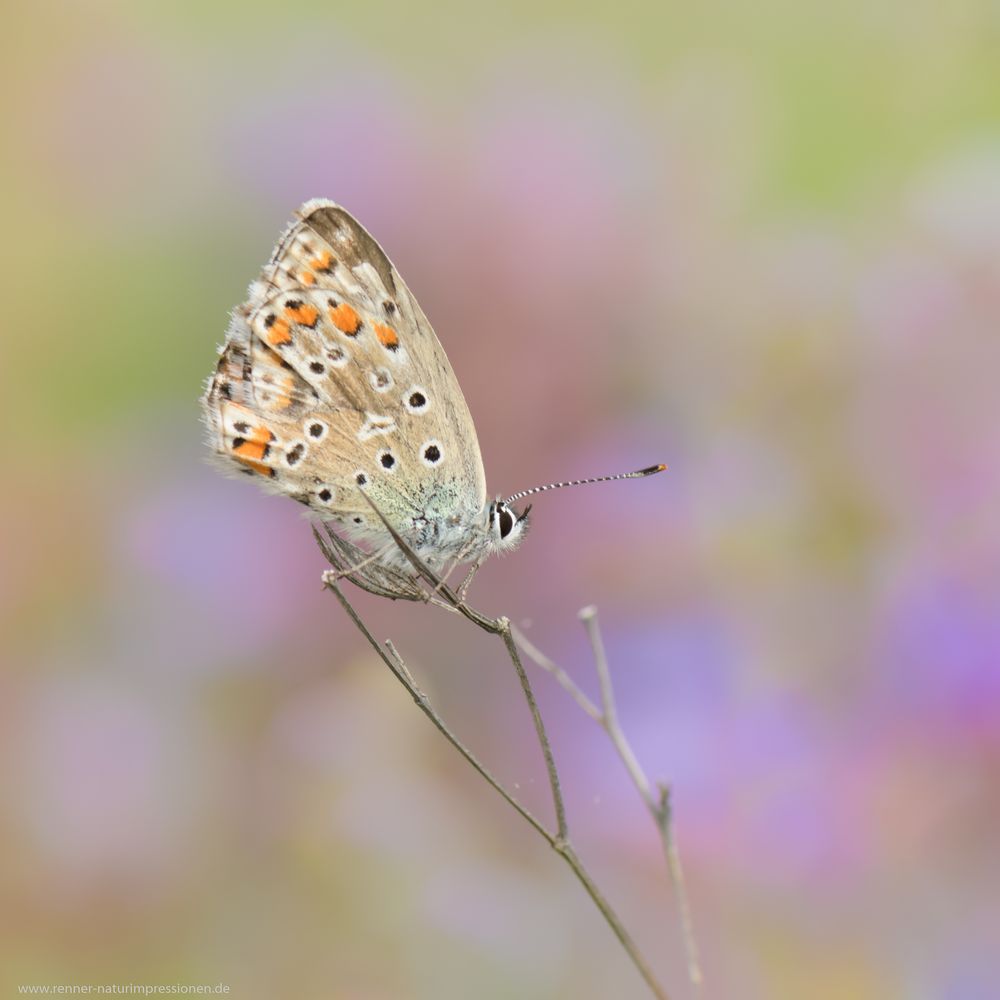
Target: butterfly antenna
(641, 474)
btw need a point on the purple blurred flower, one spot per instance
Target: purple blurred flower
(226, 570)
(939, 655)
(97, 787)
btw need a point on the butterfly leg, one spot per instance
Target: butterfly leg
(450, 568)
(365, 569)
(442, 581)
(465, 584)
(349, 570)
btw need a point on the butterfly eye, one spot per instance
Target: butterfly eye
(507, 527)
(506, 521)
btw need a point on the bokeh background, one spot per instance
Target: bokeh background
(760, 243)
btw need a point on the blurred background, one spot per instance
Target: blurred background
(760, 243)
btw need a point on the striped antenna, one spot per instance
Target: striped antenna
(641, 474)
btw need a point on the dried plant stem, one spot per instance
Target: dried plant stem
(657, 803)
(558, 840)
(665, 823)
(543, 740)
(402, 673)
(564, 680)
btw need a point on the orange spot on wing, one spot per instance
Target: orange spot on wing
(304, 314)
(324, 262)
(387, 336)
(278, 333)
(344, 318)
(308, 278)
(259, 467)
(252, 449)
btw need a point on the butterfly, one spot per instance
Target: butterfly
(331, 388)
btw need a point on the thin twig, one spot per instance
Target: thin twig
(403, 668)
(588, 616)
(658, 805)
(500, 627)
(403, 676)
(558, 841)
(660, 808)
(673, 857)
(609, 714)
(543, 740)
(562, 678)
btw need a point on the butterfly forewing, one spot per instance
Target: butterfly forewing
(332, 381)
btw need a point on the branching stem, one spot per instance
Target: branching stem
(558, 840)
(658, 803)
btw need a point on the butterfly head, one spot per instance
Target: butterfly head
(505, 527)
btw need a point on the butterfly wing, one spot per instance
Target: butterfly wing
(332, 382)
